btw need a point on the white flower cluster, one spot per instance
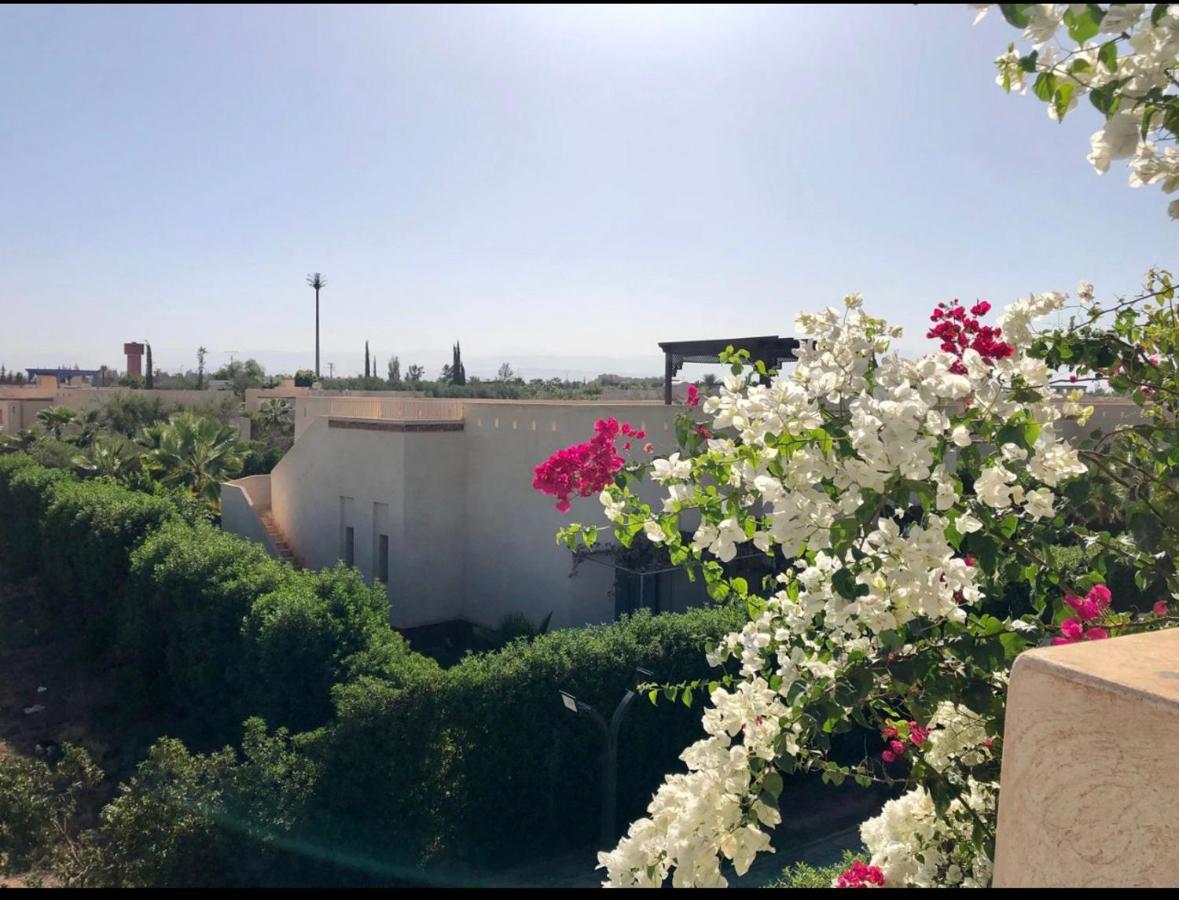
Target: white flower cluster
(915, 846)
(774, 476)
(1134, 51)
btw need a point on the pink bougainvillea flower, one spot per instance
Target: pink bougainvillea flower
(648, 447)
(897, 747)
(888, 756)
(860, 875)
(1057, 641)
(702, 431)
(1160, 607)
(1096, 634)
(1071, 629)
(958, 332)
(1100, 595)
(917, 734)
(583, 469)
(693, 398)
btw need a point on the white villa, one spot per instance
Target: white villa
(434, 499)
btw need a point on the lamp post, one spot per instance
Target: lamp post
(610, 748)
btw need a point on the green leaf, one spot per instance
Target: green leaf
(1108, 55)
(1044, 86)
(772, 784)
(1080, 25)
(843, 534)
(1008, 525)
(845, 584)
(687, 696)
(1062, 98)
(1015, 13)
(1156, 14)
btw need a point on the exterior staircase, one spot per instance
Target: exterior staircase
(278, 539)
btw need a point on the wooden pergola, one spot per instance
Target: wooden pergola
(770, 349)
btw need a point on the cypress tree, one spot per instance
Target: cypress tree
(151, 373)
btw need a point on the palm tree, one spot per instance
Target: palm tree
(91, 428)
(316, 281)
(55, 418)
(195, 453)
(275, 415)
(107, 456)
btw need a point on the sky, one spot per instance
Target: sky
(560, 188)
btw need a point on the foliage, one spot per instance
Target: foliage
(192, 820)
(1124, 58)
(803, 875)
(197, 454)
(39, 806)
(56, 418)
(908, 506)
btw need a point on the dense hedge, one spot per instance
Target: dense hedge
(403, 761)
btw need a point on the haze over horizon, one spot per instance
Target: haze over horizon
(557, 188)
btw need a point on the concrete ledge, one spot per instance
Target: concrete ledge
(1089, 786)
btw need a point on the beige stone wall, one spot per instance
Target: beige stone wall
(1089, 786)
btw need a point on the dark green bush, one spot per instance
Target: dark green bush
(189, 592)
(214, 820)
(88, 533)
(530, 770)
(483, 759)
(302, 638)
(39, 807)
(25, 492)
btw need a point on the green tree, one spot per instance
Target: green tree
(201, 353)
(505, 373)
(197, 454)
(366, 359)
(109, 455)
(458, 375)
(395, 371)
(414, 374)
(56, 418)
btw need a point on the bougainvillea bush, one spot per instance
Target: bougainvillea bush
(913, 509)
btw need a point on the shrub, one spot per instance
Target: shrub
(301, 639)
(25, 490)
(39, 806)
(190, 590)
(531, 772)
(214, 820)
(89, 530)
(483, 759)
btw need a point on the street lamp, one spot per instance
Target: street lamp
(610, 748)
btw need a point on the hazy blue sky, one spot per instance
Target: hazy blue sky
(537, 182)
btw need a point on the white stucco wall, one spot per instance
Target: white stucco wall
(241, 503)
(469, 537)
(416, 476)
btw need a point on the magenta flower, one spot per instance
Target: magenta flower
(1071, 629)
(888, 756)
(860, 875)
(1100, 595)
(1160, 607)
(1096, 634)
(693, 398)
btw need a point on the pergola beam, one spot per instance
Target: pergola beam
(770, 349)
